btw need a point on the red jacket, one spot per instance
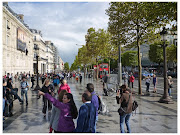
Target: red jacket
(132, 78)
(64, 87)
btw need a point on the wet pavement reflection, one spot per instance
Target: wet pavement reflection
(150, 117)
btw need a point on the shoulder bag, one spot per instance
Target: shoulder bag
(122, 110)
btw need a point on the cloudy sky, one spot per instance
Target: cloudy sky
(64, 23)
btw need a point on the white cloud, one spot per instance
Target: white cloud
(65, 24)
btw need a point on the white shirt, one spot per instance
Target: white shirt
(88, 102)
(148, 80)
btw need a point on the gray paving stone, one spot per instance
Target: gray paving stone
(145, 128)
(151, 116)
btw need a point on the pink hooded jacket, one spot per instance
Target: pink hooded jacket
(64, 87)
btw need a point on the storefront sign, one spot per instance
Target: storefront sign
(21, 36)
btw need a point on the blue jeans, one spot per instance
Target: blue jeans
(147, 87)
(22, 95)
(3, 104)
(95, 124)
(14, 92)
(126, 118)
(169, 91)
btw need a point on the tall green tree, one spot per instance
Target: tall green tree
(66, 66)
(108, 49)
(92, 46)
(97, 43)
(83, 57)
(129, 58)
(73, 66)
(131, 23)
(156, 53)
(172, 53)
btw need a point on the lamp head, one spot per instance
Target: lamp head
(163, 34)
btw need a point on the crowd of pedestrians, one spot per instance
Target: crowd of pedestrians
(65, 110)
(58, 99)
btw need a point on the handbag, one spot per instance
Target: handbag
(122, 110)
(135, 105)
(170, 86)
(55, 84)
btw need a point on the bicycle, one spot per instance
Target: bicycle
(109, 91)
(110, 87)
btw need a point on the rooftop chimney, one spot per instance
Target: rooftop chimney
(21, 16)
(48, 42)
(5, 3)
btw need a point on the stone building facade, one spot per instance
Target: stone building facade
(50, 57)
(19, 46)
(60, 64)
(17, 42)
(41, 45)
(55, 56)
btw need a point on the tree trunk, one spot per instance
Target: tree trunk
(96, 69)
(140, 69)
(84, 71)
(159, 64)
(139, 61)
(109, 67)
(119, 67)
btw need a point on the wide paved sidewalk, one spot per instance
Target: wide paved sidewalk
(151, 116)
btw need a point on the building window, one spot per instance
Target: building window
(8, 26)
(7, 40)
(34, 38)
(34, 55)
(175, 42)
(35, 46)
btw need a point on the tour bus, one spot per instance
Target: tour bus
(102, 68)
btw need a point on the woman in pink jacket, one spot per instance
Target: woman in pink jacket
(132, 80)
(64, 86)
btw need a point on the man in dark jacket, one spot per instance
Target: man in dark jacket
(94, 100)
(12, 90)
(87, 116)
(32, 80)
(80, 78)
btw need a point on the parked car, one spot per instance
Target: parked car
(172, 74)
(144, 74)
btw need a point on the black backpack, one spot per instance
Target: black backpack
(100, 103)
(134, 106)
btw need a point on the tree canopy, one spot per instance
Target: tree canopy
(129, 58)
(66, 66)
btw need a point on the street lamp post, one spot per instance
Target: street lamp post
(119, 67)
(165, 98)
(37, 85)
(54, 67)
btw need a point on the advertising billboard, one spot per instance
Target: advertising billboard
(21, 40)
